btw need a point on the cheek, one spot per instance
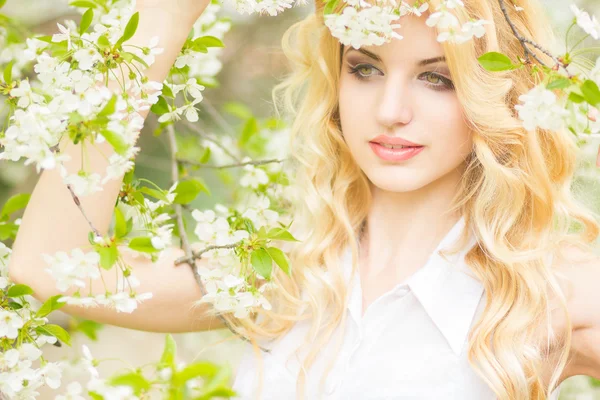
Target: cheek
(354, 106)
(450, 134)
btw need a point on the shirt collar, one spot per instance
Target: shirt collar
(446, 288)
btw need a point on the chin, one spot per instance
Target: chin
(395, 183)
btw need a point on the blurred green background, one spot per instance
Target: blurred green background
(252, 64)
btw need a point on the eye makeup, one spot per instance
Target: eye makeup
(444, 85)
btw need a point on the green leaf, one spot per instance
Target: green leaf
(8, 72)
(494, 61)
(280, 259)
(157, 194)
(187, 191)
(134, 380)
(166, 91)
(281, 234)
(129, 57)
(130, 29)
(108, 256)
(120, 223)
(19, 290)
(2, 3)
(117, 142)
(89, 328)
(238, 110)
(14, 305)
(142, 244)
(575, 98)
(83, 4)
(168, 355)
(15, 203)
(103, 41)
(202, 368)
(208, 41)
(110, 107)
(45, 38)
(249, 130)
(129, 225)
(559, 83)
(590, 91)
(8, 231)
(262, 232)
(205, 156)
(217, 386)
(50, 305)
(95, 396)
(249, 226)
(86, 20)
(199, 47)
(330, 6)
(262, 262)
(56, 331)
(160, 107)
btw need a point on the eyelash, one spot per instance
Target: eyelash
(447, 83)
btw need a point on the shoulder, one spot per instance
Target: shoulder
(578, 272)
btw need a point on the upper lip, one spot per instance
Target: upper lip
(393, 141)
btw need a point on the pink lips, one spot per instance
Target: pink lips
(398, 154)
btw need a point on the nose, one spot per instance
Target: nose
(395, 102)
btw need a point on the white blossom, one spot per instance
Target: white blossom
(10, 323)
(406, 8)
(253, 176)
(74, 392)
(73, 270)
(87, 57)
(65, 34)
(540, 109)
(365, 27)
(589, 24)
(84, 185)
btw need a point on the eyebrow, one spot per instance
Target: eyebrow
(375, 57)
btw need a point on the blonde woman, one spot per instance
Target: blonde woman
(378, 305)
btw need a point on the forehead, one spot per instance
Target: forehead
(419, 42)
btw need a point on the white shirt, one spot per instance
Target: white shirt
(410, 344)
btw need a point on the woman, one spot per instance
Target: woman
(374, 308)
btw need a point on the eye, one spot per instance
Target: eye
(437, 81)
(358, 70)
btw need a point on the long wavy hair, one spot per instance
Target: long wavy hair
(515, 197)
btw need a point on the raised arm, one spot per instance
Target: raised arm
(52, 222)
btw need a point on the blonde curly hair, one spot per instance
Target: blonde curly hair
(515, 197)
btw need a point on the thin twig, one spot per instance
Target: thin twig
(210, 139)
(55, 149)
(78, 203)
(218, 117)
(525, 41)
(196, 255)
(185, 244)
(240, 164)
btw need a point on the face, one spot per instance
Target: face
(399, 90)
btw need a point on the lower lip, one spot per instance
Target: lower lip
(395, 154)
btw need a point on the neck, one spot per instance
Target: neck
(405, 227)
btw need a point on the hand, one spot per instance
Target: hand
(188, 10)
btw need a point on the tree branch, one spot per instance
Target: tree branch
(195, 130)
(190, 256)
(55, 149)
(239, 164)
(525, 41)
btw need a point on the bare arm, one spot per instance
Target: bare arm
(52, 222)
